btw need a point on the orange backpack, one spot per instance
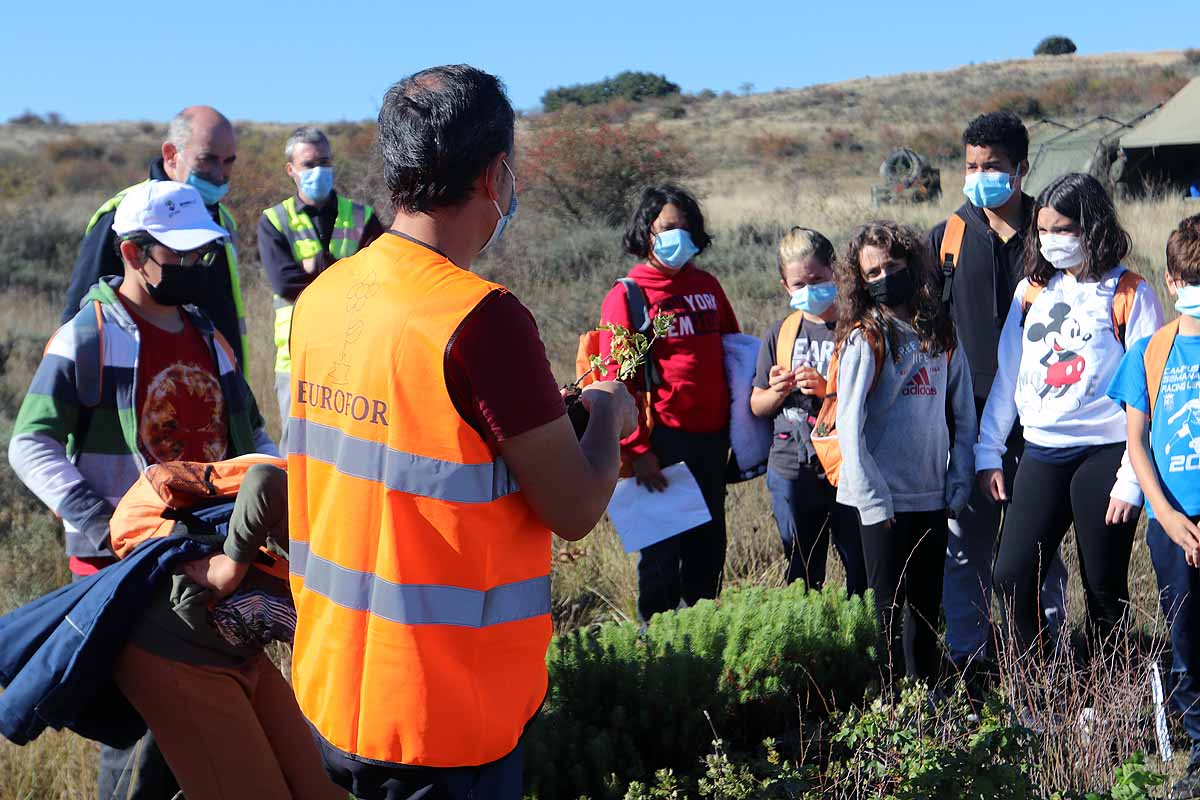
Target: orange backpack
(824, 433)
(589, 345)
(169, 492)
(1122, 304)
(1155, 359)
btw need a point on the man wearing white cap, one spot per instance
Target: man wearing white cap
(136, 345)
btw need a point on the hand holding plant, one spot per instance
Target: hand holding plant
(629, 350)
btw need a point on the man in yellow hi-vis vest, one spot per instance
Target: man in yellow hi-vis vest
(303, 235)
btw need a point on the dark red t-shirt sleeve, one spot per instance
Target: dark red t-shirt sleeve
(497, 371)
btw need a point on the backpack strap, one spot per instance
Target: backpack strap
(639, 322)
(1155, 359)
(89, 354)
(1122, 305)
(878, 350)
(1032, 290)
(789, 331)
(952, 239)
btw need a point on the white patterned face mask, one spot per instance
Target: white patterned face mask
(1062, 250)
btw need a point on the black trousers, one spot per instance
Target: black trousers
(687, 566)
(904, 568)
(1046, 500)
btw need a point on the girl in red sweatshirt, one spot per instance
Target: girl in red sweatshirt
(689, 395)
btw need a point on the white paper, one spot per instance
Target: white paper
(643, 518)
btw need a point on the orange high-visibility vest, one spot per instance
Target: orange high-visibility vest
(421, 575)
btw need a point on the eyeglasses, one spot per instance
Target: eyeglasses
(204, 257)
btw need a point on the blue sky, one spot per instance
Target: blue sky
(300, 60)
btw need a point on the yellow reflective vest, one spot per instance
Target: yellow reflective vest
(302, 235)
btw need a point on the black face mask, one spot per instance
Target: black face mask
(179, 285)
(894, 289)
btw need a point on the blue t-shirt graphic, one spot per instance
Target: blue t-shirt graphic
(1175, 427)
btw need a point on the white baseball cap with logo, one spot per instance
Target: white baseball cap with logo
(173, 213)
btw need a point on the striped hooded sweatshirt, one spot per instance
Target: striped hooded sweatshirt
(79, 459)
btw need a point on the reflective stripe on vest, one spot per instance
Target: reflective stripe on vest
(421, 575)
(420, 605)
(401, 472)
(235, 282)
(297, 226)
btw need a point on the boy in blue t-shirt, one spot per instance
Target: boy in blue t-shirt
(1166, 457)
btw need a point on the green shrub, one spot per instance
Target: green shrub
(584, 172)
(37, 250)
(635, 86)
(1054, 46)
(626, 703)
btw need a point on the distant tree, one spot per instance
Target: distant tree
(583, 172)
(746, 88)
(1054, 46)
(627, 85)
(1192, 54)
(29, 118)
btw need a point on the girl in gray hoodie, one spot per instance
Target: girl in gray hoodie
(906, 422)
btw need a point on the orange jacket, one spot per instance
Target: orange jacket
(421, 575)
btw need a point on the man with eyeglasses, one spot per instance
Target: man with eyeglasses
(138, 376)
(200, 150)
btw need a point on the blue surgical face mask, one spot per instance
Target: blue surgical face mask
(316, 183)
(815, 298)
(502, 223)
(210, 192)
(1187, 300)
(988, 189)
(674, 248)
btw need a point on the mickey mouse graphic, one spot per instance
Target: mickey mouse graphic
(1064, 337)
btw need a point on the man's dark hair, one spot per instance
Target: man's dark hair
(438, 130)
(638, 239)
(999, 129)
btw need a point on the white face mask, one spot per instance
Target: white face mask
(1063, 251)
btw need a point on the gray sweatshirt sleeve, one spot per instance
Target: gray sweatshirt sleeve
(861, 485)
(961, 471)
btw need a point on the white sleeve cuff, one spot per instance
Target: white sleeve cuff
(1129, 492)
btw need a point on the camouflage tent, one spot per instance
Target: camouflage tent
(1057, 148)
(1163, 151)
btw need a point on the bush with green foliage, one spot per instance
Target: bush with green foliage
(581, 171)
(916, 748)
(1054, 46)
(624, 703)
(629, 85)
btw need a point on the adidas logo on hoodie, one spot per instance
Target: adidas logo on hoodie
(920, 385)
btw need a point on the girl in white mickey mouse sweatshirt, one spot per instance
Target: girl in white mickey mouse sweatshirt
(1068, 326)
